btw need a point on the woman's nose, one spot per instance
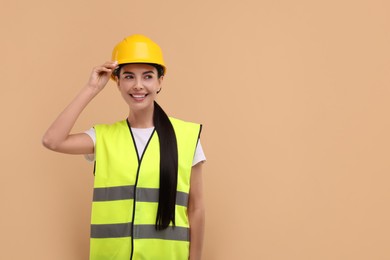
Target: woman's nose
(138, 84)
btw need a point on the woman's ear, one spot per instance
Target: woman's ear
(160, 79)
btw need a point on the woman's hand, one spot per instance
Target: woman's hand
(57, 136)
(101, 74)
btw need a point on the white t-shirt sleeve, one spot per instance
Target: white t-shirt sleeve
(92, 134)
(199, 154)
(198, 157)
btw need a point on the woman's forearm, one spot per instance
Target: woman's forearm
(63, 124)
(197, 224)
(57, 136)
(196, 213)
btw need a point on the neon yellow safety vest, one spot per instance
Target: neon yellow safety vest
(126, 191)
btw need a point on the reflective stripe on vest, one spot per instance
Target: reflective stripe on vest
(126, 194)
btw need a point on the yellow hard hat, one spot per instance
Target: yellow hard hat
(138, 48)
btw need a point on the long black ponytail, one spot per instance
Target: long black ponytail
(168, 168)
(168, 161)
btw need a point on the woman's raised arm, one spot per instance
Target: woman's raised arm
(57, 136)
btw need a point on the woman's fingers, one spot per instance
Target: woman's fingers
(106, 67)
(101, 74)
(111, 64)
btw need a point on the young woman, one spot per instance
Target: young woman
(148, 201)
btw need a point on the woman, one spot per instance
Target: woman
(148, 201)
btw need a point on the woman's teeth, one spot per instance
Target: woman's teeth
(138, 96)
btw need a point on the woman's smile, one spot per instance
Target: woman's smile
(139, 97)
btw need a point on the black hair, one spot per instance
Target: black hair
(159, 68)
(168, 161)
(168, 168)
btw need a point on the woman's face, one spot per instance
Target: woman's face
(139, 84)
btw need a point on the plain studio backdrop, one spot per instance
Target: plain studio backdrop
(293, 96)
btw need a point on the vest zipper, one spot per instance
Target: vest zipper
(136, 182)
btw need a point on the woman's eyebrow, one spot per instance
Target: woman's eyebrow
(146, 72)
(149, 71)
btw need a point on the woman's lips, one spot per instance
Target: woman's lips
(138, 97)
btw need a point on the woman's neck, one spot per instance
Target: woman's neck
(141, 118)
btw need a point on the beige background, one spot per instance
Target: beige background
(293, 95)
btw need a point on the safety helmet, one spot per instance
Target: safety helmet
(138, 48)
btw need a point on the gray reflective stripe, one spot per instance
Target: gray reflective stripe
(140, 232)
(127, 192)
(171, 233)
(182, 198)
(110, 230)
(113, 193)
(151, 195)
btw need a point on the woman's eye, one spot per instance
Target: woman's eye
(148, 77)
(128, 77)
